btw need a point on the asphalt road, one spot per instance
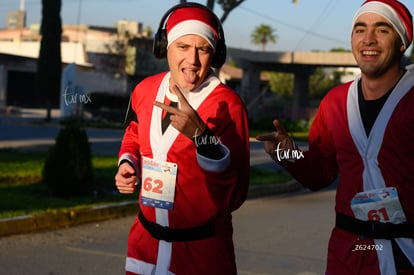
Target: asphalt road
(27, 131)
(285, 234)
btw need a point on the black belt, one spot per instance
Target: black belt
(164, 233)
(374, 229)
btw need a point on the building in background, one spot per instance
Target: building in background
(98, 53)
(17, 19)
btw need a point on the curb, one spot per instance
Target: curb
(67, 218)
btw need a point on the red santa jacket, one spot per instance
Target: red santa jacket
(338, 146)
(207, 191)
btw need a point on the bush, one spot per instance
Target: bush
(265, 124)
(68, 167)
(299, 125)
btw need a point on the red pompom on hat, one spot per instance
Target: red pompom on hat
(192, 20)
(395, 12)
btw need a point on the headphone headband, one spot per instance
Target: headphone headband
(160, 38)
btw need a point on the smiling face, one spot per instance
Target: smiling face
(376, 45)
(189, 58)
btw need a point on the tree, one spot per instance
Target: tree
(226, 5)
(263, 34)
(321, 82)
(281, 83)
(49, 66)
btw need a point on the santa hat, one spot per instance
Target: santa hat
(395, 12)
(192, 20)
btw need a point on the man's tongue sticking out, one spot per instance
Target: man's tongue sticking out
(190, 76)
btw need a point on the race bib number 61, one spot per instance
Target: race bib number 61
(381, 205)
(158, 183)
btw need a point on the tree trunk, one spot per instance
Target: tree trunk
(49, 66)
(48, 110)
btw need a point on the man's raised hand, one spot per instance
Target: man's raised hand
(184, 118)
(279, 138)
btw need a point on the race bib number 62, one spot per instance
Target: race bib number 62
(158, 183)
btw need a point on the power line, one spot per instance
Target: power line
(291, 26)
(314, 26)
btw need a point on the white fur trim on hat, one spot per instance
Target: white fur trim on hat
(387, 12)
(192, 27)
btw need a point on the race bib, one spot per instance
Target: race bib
(381, 205)
(158, 183)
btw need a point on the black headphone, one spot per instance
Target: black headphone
(160, 38)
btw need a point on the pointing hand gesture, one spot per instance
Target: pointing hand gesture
(280, 139)
(184, 118)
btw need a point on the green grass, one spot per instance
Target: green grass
(24, 199)
(297, 136)
(18, 167)
(22, 193)
(300, 136)
(261, 176)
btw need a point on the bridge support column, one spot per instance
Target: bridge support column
(250, 82)
(250, 86)
(301, 93)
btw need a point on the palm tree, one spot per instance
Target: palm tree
(263, 34)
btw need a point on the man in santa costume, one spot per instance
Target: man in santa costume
(188, 150)
(363, 134)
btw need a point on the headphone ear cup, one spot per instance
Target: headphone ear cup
(160, 44)
(220, 55)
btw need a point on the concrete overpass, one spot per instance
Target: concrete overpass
(301, 64)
